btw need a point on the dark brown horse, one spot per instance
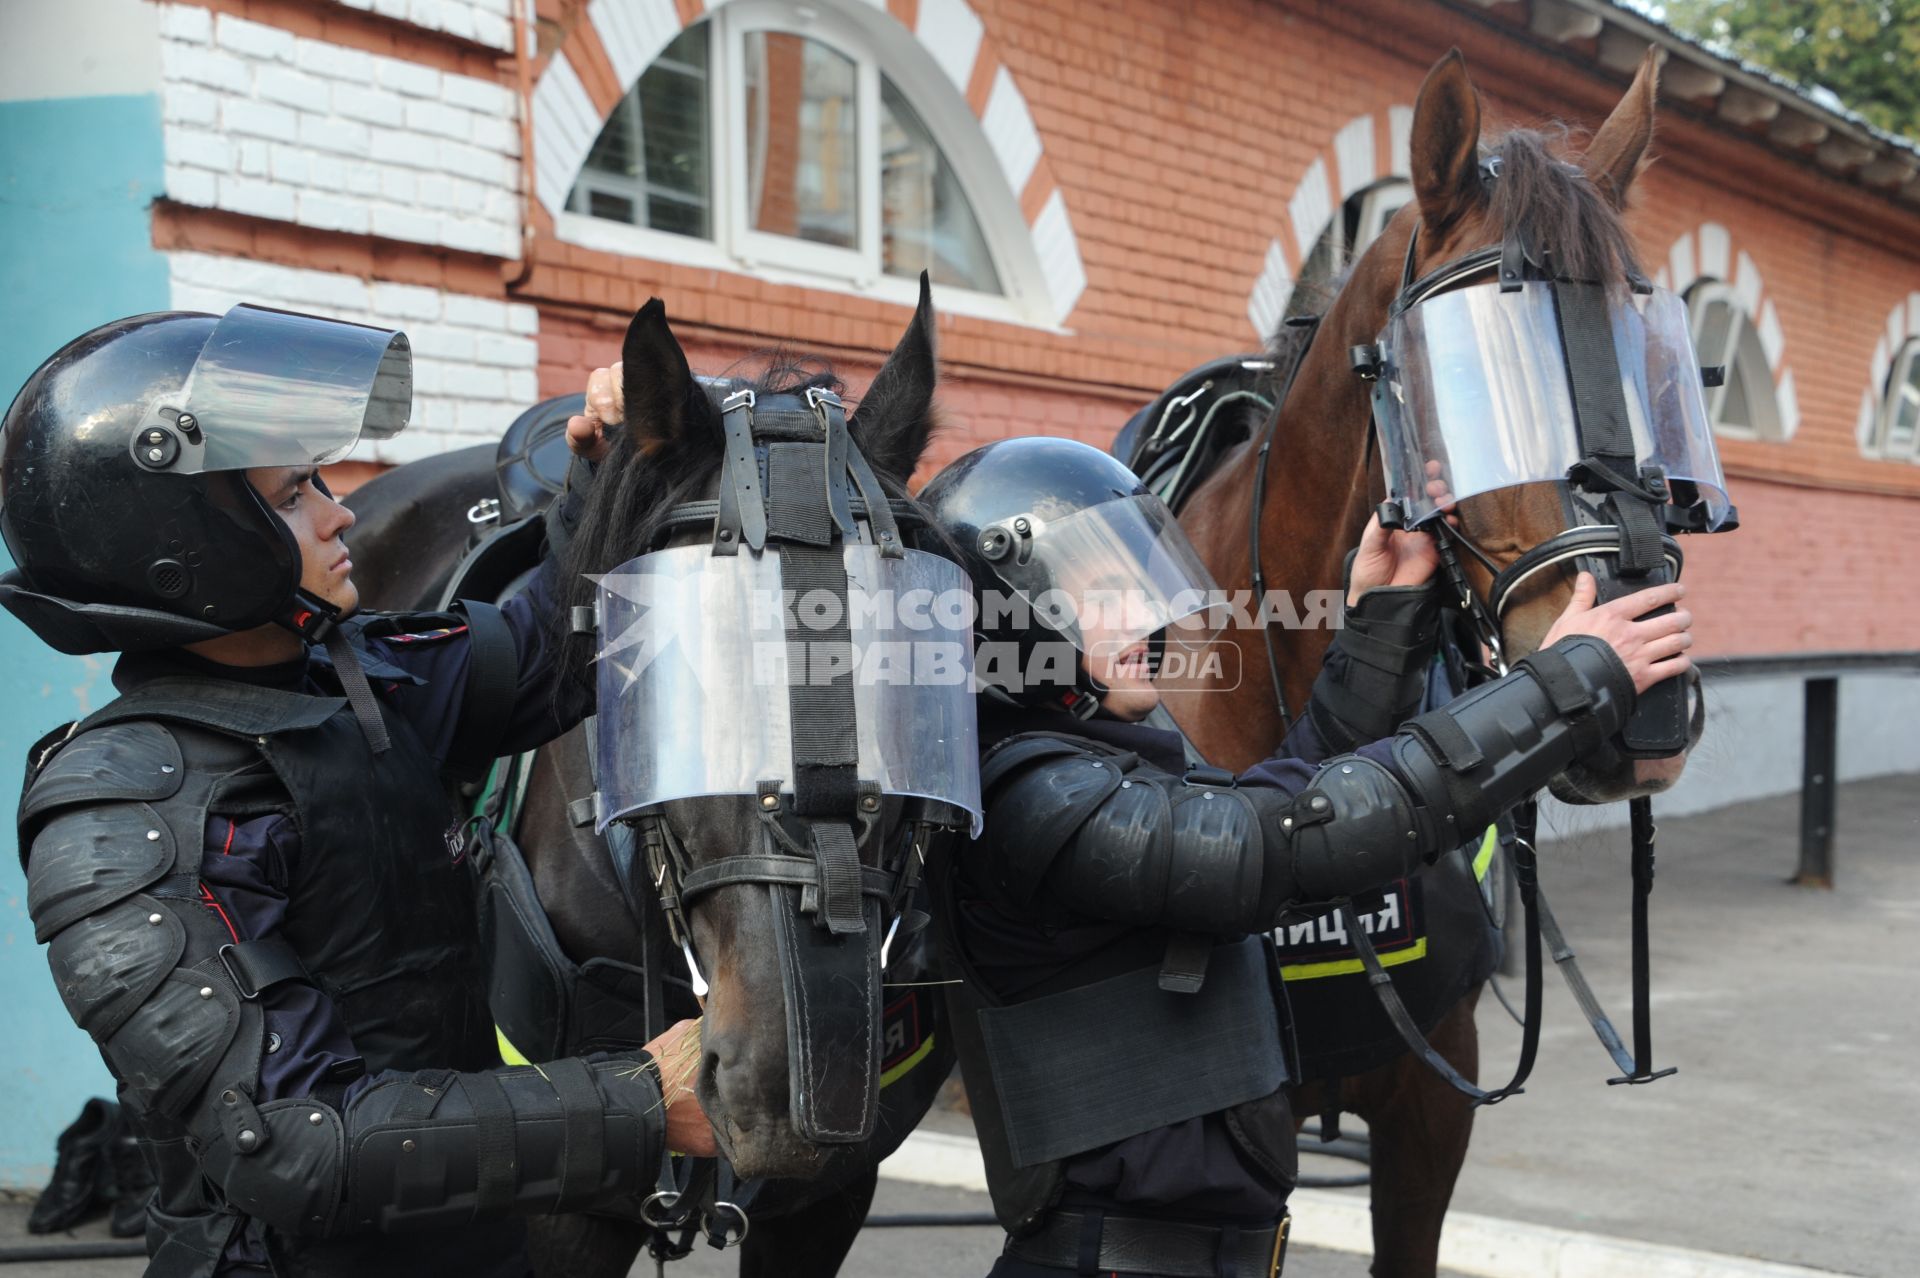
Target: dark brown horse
(1322, 482)
(412, 529)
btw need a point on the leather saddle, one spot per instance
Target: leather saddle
(1179, 439)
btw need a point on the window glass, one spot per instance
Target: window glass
(649, 166)
(1361, 218)
(926, 222)
(801, 117)
(1724, 334)
(1903, 406)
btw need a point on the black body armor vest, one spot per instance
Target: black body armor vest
(380, 912)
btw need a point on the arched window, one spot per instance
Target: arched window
(1897, 432)
(1744, 405)
(767, 138)
(1358, 223)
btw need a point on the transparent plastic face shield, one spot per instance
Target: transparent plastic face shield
(1474, 396)
(1112, 574)
(695, 666)
(274, 388)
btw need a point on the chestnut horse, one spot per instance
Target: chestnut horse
(1322, 481)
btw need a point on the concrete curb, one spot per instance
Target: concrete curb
(1484, 1246)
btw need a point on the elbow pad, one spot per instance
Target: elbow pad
(1354, 829)
(436, 1149)
(1473, 758)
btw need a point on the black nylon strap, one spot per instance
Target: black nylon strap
(820, 692)
(838, 863)
(794, 515)
(353, 682)
(1593, 371)
(260, 964)
(1450, 744)
(1556, 677)
(1641, 547)
(873, 500)
(742, 512)
(1183, 968)
(494, 1161)
(1640, 812)
(493, 676)
(584, 1161)
(793, 871)
(833, 416)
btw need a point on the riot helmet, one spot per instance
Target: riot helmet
(1071, 556)
(124, 498)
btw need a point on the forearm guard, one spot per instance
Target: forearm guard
(438, 1149)
(1375, 673)
(1460, 766)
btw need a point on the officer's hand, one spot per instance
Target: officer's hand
(1654, 649)
(676, 1054)
(1391, 559)
(606, 406)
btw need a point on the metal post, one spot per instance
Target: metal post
(1817, 784)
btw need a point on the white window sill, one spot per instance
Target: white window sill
(623, 240)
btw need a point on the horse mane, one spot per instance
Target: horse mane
(1549, 201)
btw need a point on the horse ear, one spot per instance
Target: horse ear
(1444, 148)
(896, 417)
(1613, 158)
(664, 405)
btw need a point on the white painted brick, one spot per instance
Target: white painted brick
(328, 133)
(524, 320)
(252, 158)
(429, 377)
(483, 96)
(199, 148)
(256, 198)
(427, 13)
(253, 39)
(405, 224)
(475, 236)
(363, 179)
(455, 19)
(329, 171)
(487, 420)
(294, 89)
(486, 167)
(497, 133)
(441, 120)
(183, 104)
(259, 119)
(523, 386)
(475, 312)
(396, 185)
(290, 164)
(332, 214)
(375, 106)
(409, 78)
(435, 191)
(442, 342)
(394, 146)
(357, 4)
(492, 30)
(187, 22)
(479, 383)
(350, 66)
(210, 67)
(408, 301)
(506, 352)
(192, 186)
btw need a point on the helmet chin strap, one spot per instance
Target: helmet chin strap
(314, 619)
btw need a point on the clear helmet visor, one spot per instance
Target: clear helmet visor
(1474, 396)
(275, 388)
(699, 653)
(1110, 575)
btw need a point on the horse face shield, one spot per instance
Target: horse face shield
(1476, 390)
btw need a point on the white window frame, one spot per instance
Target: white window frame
(1903, 374)
(1378, 204)
(1743, 356)
(860, 34)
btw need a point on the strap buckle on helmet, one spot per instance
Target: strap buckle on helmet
(310, 617)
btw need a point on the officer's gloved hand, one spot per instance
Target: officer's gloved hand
(1376, 671)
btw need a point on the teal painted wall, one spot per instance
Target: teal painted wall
(76, 250)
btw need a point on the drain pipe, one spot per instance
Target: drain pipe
(523, 75)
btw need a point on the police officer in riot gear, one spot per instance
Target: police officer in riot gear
(241, 867)
(1118, 1022)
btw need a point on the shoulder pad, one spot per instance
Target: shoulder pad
(85, 859)
(1017, 752)
(106, 964)
(169, 1047)
(138, 759)
(1045, 797)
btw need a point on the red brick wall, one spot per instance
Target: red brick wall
(1178, 133)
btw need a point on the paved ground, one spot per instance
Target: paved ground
(1791, 1133)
